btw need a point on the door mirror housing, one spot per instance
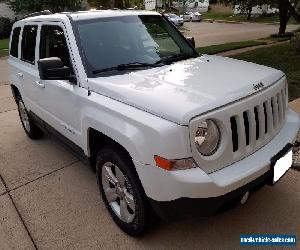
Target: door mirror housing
(52, 68)
(191, 40)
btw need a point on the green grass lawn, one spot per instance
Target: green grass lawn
(4, 47)
(4, 44)
(282, 57)
(3, 53)
(230, 17)
(214, 49)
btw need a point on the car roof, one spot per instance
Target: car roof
(85, 15)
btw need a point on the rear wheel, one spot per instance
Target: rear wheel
(121, 191)
(30, 128)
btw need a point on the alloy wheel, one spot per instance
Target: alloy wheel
(118, 192)
(24, 116)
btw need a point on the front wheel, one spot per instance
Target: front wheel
(121, 191)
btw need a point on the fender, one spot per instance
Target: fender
(142, 134)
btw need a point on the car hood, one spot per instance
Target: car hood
(185, 89)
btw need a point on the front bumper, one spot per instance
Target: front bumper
(191, 207)
(179, 23)
(168, 186)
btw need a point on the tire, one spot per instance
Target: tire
(125, 194)
(32, 131)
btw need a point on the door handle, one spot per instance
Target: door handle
(20, 74)
(41, 85)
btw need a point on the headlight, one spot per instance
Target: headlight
(207, 137)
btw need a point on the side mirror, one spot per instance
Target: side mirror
(191, 40)
(52, 68)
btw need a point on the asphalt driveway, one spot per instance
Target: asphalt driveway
(206, 33)
(50, 200)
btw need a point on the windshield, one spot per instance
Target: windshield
(143, 40)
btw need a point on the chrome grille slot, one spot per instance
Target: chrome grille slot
(266, 117)
(251, 127)
(256, 122)
(283, 103)
(234, 134)
(274, 111)
(246, 125)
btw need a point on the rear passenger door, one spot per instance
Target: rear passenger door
(14, 56)
(28, 73)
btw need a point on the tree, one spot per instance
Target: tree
(24, 6)
(284, 15)
(122, 4)
(100, 3)
(287, 8)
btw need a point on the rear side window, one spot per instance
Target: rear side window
(15, 42)
(28, 43)
(53, 44)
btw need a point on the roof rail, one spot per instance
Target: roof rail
(39, 13)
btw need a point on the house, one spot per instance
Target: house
(189, 5)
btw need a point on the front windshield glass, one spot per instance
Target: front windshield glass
(147, 39)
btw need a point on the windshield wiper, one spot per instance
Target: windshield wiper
(128, 66)
(175, 58)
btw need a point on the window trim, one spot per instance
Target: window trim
(36, 42)
(11, 40)
(61, 24)
(40, 35)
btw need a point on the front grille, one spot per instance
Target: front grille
(246, 126)
(251, 127)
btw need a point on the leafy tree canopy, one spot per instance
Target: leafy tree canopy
(122, 4)
(23, 6)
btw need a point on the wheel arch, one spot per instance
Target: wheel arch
(15, 91)
(96, 140)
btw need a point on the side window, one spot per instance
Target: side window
(53, 44)
(15, 42)
(28, 43)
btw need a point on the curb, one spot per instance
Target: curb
(221, 21)
(249, 48)
(210, 20)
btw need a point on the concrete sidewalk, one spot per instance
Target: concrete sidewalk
(4, 77)
(50, 200)
(295, 105)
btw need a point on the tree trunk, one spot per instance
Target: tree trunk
(284, 15)
(112, 4)
(249, 12)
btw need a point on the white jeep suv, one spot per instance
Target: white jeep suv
(166, 129)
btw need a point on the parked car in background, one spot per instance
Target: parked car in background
(191, 17)
(176, 20)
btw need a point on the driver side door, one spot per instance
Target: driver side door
(57, 98)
